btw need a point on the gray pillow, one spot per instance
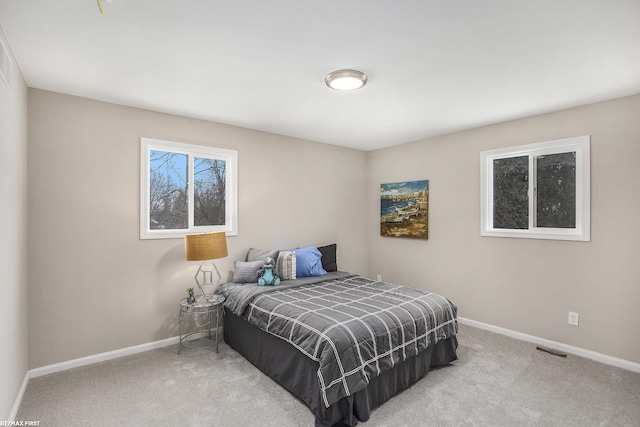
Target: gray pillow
(260, 254)
(246, 272)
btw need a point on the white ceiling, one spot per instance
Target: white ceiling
(434, 66)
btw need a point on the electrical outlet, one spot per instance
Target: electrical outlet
(574, 318)
(379, 278)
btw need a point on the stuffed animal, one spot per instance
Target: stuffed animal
(268, 274)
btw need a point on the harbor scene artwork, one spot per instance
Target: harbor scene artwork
(404, 209)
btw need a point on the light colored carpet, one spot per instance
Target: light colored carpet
(497, 381)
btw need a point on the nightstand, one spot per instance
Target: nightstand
(205, 312)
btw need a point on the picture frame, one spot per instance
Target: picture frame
(404, 209)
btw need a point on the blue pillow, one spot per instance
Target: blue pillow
(308, 262)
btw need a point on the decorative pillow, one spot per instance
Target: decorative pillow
(286, 265)
(246, 272)
(308, 262)
(260, 254)
(329, 258)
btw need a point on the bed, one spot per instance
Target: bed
(342, 343)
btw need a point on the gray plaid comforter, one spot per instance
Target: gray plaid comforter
(356, 328)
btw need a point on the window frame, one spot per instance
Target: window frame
(582, 230)
(231, 188)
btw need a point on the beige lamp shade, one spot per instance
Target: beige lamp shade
(201, 247)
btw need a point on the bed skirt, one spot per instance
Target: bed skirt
(298, 374)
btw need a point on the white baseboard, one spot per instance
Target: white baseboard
(18, 402)
(74, 363)
(569, 349)
(88, 360)
(577, 351)
(101, 357)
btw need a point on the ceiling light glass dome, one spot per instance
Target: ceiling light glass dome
(346, 79)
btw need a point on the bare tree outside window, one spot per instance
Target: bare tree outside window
(186, 188)
(556, 190)
(168, 190)
(537, 191)
(209, 191)
(510, 193)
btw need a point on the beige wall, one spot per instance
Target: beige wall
(94, 286)
(13, 239)
(525, 285)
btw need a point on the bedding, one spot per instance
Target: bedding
(308, 262)
(329, 257)
(246, 272)
(286, 265)
(254, 254)
(353, 329)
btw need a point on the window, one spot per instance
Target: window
(537, 191)
(187, 189)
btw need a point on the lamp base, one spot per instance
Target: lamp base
(208, 277)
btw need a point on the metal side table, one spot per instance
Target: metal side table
(205, 312)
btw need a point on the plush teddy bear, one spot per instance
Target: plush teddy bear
(268, 274)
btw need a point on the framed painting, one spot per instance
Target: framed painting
(404, 209)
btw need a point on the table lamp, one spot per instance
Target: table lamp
(206, 247)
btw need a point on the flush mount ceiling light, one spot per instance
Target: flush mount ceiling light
(346, 79)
